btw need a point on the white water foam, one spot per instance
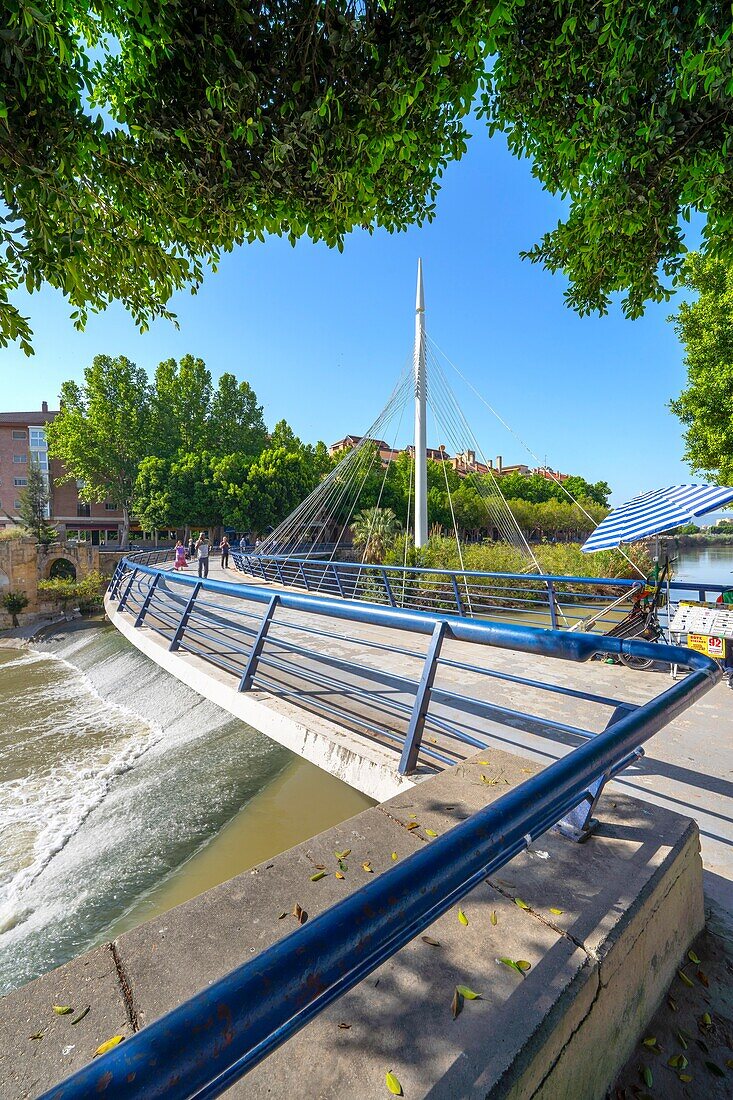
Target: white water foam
(42, 810)
(100, 800)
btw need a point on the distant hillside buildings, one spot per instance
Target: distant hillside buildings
(22, 441)
(463, 463)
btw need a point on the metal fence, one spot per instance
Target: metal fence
(212, 1040)
(559, 602)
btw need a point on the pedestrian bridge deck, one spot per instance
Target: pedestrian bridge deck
(353, 722)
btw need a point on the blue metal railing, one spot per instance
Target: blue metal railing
(543, 600)
(209, 1042)
(222, 623)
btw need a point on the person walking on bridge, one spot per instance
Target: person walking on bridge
(202, 553)
(224, 552)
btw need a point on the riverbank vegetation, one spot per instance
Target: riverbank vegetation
(86, 594)
(561, 559)
(140, 142)
(179, 453)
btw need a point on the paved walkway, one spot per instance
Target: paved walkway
(688, 766)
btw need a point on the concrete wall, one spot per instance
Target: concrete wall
(604, 925)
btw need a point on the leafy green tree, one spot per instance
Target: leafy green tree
(152, 499)
(194, 492)
(230, 475)
(102, 432)
(226, 122)
(276, 483)
(236, 423)
(180, 406)
(14, 603)
(34, 506)
(625, 110)
(374, 531)
(705, 406)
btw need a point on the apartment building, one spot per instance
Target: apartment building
(22, 441)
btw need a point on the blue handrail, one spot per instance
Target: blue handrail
(212, 1040)
(539, 599)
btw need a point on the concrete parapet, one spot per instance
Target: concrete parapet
(603, 924)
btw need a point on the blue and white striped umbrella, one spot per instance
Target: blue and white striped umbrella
(656, 511)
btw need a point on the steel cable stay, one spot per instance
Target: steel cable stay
(463, 428)
(309, 509)
(527, 448)
(497, 508)
(324, 503)
(328, 491)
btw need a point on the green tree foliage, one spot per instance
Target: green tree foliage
(705, 406)
(34, 503)
(102, 432)
(138, 141)
(374, 531)
(625, 109)
(153, 501)
(228, 122)
(276, 483)
(181, 406)
(193, 491)
(235, 421)
(14, 603)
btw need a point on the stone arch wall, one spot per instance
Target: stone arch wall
(61, 567)
(84, 559)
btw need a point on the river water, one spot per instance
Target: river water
(123, 793)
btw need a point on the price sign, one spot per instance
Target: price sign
(709, 644)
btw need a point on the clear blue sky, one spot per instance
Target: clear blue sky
(321, 336)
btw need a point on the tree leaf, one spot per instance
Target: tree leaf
(368, 867)
(462, 917)
(468, 993)
(494, 918)
(456, 1004)
(110, 1044)
(344, 854)
(339, 875)
(520, 903)
(300, 914)
(683, 978)
(693, 958)
(393, 1084)
(522, 965)
(62, 1010)
(344, 1027)
(650, 1041)
(702, 978)
(706, 1019)
(412, 825)
(686, 1077)
(38, 1035)
(557, 912)
(318, 875)
(715, 1070)
(81, 1015)
(394, 855)
(433, 943)
(647, 1076)
(283, 914)
(430, 832)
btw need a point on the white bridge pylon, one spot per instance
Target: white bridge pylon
(421, 445)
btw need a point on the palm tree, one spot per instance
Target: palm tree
(373, 531)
